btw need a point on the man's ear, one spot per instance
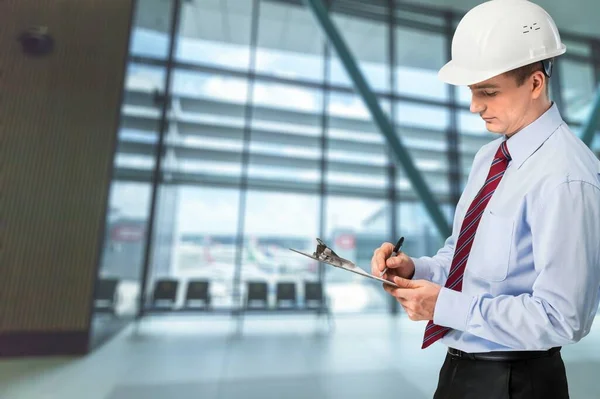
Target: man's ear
(539, 82)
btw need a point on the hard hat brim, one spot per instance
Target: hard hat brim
(457, 75)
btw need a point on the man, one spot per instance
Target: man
(520, 276)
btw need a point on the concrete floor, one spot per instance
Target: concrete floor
(277, 357)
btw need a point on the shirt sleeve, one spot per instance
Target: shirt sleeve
(437, 267)
(565, 233)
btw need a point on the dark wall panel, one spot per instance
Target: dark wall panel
(58, 123)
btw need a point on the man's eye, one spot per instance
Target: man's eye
(490, 93)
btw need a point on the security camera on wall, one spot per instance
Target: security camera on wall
(36, 41)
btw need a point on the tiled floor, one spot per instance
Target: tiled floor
(284, 357)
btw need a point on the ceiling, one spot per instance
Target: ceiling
(293, 28)
(575, 16)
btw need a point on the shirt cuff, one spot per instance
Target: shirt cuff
(422, 269)
(452, 309)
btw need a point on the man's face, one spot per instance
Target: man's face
(501, 103)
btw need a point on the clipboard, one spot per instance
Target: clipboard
(324, 254)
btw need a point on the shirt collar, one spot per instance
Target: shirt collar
(525, 142)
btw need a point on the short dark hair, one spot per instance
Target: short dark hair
(522, 73)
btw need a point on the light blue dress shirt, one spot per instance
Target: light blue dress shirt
(532, 280)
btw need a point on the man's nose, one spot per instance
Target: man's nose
(476, 105)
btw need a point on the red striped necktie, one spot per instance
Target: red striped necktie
(433, 332)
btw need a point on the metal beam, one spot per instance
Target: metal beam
(591, 124)
(420, 186)
(159, 155)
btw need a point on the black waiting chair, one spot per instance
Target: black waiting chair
(197, 294)
(315, 299)
(313, 295)
(105, 298)
(257, 295)
(165, 293)
(286, 295)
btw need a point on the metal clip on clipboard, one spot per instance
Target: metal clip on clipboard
(326, 255)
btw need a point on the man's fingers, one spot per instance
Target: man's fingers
(387, 247)
(405, 283)
(380, 258)
(376, 262)
(400, 293)
(374, 267)
(406, 287)
(409, 311)
(382, 254)
(390, 289)
(406, 304)
(394, 261)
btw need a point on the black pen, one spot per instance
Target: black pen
(394, 253)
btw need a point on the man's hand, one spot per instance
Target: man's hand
(401, 265)
(417, 297)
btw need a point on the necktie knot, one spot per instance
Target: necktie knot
(503, 153)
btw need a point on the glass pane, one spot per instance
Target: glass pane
(422, 129)
(216, 33)
(596, 142)
(205, 137)
(473, 135)
(118, 285)
(196, 240)
(347, 105)
(221, 88)
(352, 106)
(124, 244)
(290, 97)
(578, 89)
(472, 123)
(471, 143)
(455, 22)
(285, 142)
(282, 162)
(356, 152)
(419, 16)
(354, 228)
(140, 117)
(368, 43)
(269, 235)
(290, 45)
(577, 47)
(421, 237)
(144, 78)
(424, 116)
(419, 57)
(150, 30)
(464, 95)
(437, 182)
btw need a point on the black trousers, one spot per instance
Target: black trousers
(541, 378)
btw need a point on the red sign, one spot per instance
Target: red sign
(129, 233)
(345, 241)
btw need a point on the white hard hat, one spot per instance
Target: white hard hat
(499, 36)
